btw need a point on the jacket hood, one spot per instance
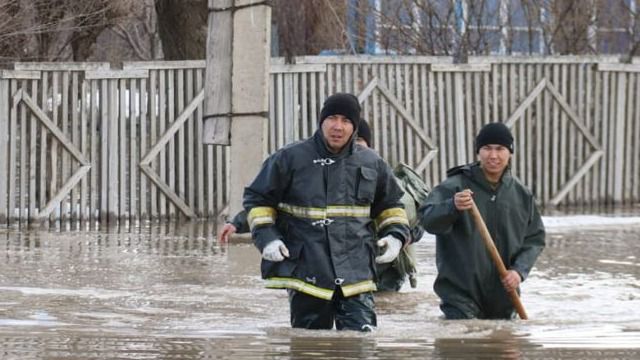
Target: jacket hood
(461, 169)
(474, 173)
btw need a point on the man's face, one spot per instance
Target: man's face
(337, 131)
(494, 159)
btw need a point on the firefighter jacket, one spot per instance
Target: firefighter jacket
(322, 206)
(240, 222)
(467, 277)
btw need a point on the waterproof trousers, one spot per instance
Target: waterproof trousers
(349, 313)
(471, 311)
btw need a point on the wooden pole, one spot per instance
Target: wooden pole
(495, 256)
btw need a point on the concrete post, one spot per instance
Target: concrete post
(244, 71)
(218, 81)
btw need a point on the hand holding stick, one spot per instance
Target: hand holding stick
(495, 256)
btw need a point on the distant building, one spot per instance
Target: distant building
(494, 27)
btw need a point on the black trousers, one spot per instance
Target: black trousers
(352, 313)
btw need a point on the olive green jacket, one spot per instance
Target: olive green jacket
(467, 277)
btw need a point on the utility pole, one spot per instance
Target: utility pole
(237, 87)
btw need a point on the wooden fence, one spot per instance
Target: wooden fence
(83, 141)
(87, 142)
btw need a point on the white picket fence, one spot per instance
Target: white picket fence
(83, 141)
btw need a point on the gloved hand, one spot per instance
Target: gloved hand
(392, 247)
(275, 251)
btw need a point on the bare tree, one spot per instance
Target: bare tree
(140, 33)
(473, 27)
(621, 19)
(434, 27)
(182, 27)
(53, 30)
(569, 27)
(310, 27)
(532, 11)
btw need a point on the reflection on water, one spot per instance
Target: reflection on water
(172, 292)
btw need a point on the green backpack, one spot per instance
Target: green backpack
(415, 191)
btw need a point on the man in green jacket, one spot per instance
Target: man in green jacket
(468, 283)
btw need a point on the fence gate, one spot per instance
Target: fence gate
(546, 86)
(82, 141)
(412, 126)
(42, 155)
(21, 97)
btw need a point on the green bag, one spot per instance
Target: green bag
(415, 191)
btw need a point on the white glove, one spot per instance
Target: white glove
(275, 251)
(392, 249)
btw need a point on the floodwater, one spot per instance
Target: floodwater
(173, 292)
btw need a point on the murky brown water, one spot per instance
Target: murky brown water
(172, 292)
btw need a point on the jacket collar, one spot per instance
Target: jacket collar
(474, 173)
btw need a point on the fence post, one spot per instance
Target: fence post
(113, 163)
(460, 119)
(4, 139)
(619, 131)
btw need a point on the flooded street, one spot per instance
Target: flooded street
(173, 292)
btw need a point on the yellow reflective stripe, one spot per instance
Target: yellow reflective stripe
(358, 288)
(301, 211)
(353, 211)
(391, 216)
(323, 213)
(299, 285)
(261, 215)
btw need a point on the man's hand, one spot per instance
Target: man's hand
(511, 281)
(275, 251)
(391, 247)
(227, 230)
(463, 200)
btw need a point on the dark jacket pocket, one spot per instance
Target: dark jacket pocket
(284, 268)
(366, 185)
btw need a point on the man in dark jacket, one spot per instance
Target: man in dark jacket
(389, 276)
(468, 283)
(310, 210)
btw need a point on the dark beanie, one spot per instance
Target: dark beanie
(494, 133)
(341, 104)
(364, 131)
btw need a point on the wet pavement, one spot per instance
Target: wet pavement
(172, 292)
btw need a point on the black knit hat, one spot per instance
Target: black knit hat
(494, 133)
(364, 132)
(341, 104)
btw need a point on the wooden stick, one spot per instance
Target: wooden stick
(495, 256)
